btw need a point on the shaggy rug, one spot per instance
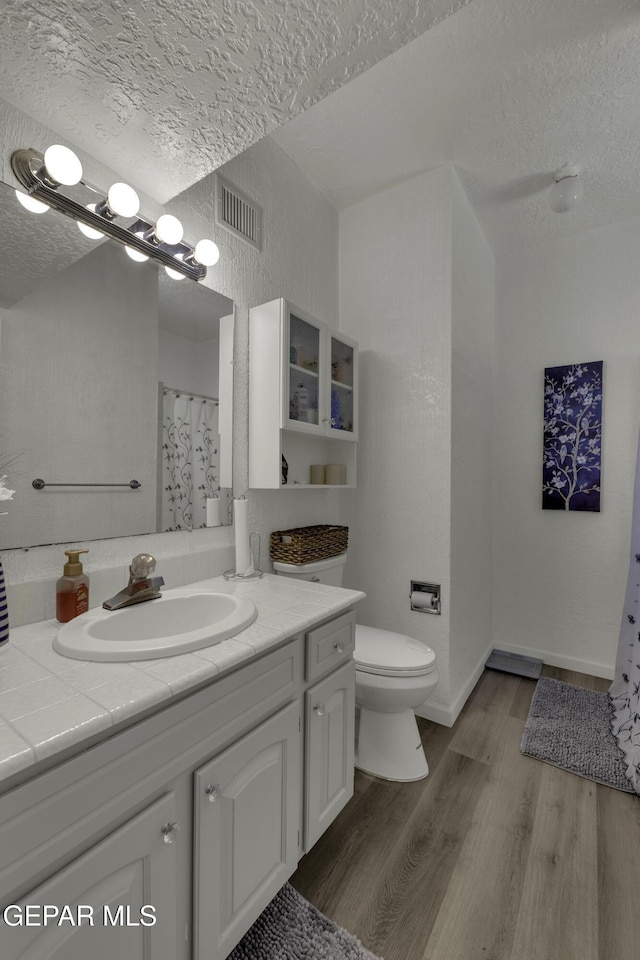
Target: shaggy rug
(571, 728)
(292, 929)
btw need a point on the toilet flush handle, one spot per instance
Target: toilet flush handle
(315, 579)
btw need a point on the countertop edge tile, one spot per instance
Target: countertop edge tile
(147, 684)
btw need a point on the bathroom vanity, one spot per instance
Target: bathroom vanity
(169, 833)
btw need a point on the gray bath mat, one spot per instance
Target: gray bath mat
(571, 728)
(292, 929)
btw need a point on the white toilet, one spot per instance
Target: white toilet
(394, 675)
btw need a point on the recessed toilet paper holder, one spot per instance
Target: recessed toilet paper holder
(425, 597)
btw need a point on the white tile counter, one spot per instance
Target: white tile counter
(50, 704)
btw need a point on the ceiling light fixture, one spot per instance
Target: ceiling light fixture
(115, 216)
(567, 189)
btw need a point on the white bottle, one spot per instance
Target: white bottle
(303, 401)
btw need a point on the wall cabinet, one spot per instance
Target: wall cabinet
(303, 396)
(199, 811)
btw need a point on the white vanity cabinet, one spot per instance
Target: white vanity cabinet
(193, 816)
(330, 724)
(119, 897)
(303, 396)
(246, 831)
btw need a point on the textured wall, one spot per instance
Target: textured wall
(395, 298)
(165, 93)
(559, 578)
(472, 346)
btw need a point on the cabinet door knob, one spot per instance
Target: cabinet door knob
(169, 831)
(319, 709)
(339, 646)
(212, 793)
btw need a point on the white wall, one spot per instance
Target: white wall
(559, 578)
(395, 299)
(472, 349)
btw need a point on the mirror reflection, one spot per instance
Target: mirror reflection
(109, 373)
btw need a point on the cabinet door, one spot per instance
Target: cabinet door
(246, 831)
(305, 373)
(330, 735)
(133, 868)
(343, 368)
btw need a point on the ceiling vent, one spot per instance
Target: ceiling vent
(237, 213)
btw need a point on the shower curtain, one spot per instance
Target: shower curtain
(190, 459)
(625, 689)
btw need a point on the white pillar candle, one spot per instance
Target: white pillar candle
(213, 512)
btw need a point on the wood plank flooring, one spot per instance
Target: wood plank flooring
(495, 856)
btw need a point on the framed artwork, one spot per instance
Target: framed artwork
(572, 437)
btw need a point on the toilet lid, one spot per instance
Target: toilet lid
(383, 652)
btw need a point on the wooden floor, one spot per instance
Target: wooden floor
(495, 856)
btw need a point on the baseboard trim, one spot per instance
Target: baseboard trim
(447, 716)
(567, 663)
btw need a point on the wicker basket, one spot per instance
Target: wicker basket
(306, 544)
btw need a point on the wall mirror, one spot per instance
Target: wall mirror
(110, 372)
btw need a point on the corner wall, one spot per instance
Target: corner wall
(559, 578)
(395, 299)
(472, 350)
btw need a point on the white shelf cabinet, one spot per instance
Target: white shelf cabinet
(303, 397)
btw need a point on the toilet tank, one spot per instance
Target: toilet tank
(320, 571)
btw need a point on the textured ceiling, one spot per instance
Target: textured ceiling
(165, 92)
(508, 91)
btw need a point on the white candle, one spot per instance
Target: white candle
(244, 562)
(213, 512)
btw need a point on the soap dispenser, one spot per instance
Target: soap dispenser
(72, 589)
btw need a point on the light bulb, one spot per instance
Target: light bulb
(123, 200)
(90, 232)
(136, 254)
(206, 253)
(174, 274)
(62, 165)
(169, 229)
(30, 203)
(567, 190)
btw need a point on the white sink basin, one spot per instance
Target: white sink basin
(170, 625)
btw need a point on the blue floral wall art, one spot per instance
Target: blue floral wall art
(572, 437)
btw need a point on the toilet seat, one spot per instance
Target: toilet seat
(385, 653)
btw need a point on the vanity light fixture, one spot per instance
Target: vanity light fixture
(567, 189)
(89, 232)
(115, 215)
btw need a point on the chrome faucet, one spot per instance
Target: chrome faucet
(142, 586)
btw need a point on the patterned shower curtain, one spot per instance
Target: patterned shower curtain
(625, 689)
(190, 459)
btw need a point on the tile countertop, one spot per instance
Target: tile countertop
(50, 704)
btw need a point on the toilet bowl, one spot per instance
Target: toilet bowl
(394, 675)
